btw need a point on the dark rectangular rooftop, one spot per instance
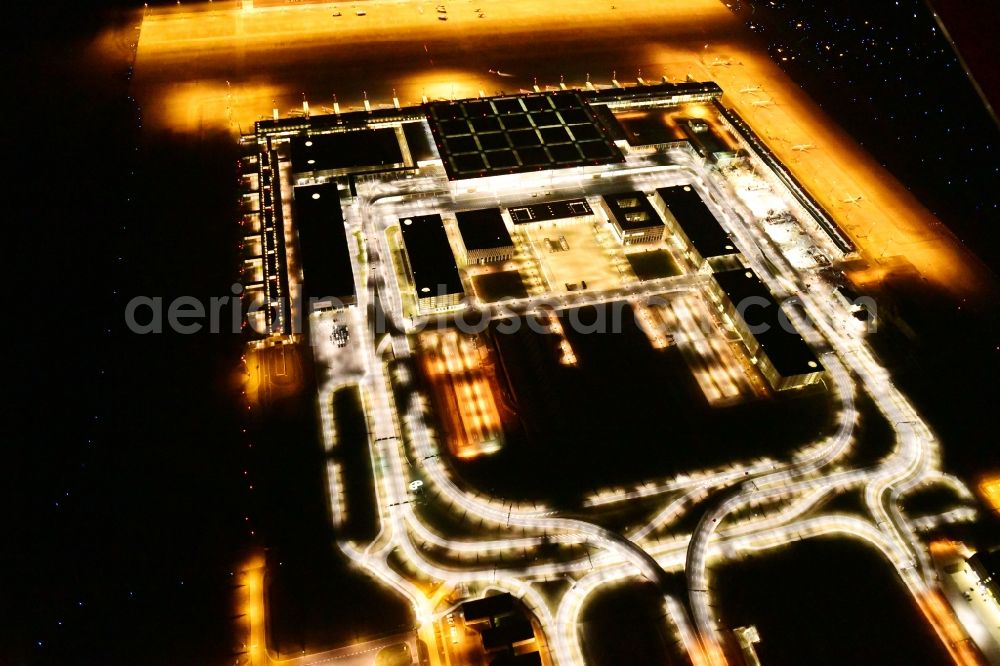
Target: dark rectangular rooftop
(632, 210)
(697, 221)
(510, 631)
(483, 229)
(525, 659)
(323, 243)
(432, 263)
(788, 351)
(514, 134)
(487, 607)
(987, 563)
(419, 141)
(354, 149)
(553, 210)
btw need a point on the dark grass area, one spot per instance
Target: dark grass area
(652, 264)
(945, 356)
(874, 438)
(352, 452)
(132, 501)
(627, 624)
(931, 500)
(317, 598)
(135, 452)
(850, 502)
(325, 601)
(493, 287)
(825, 602)
(972, 25)
(626, 413)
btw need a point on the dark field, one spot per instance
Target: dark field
(652, 264)
(493, 287)
(625, 413)
(826, 602)
(627, 624)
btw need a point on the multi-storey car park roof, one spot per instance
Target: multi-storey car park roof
(431, 260)
(696, 221)
(323, 243)
(787, 350)
(483, 229)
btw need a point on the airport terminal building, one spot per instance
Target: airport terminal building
(780, 353)
(702, 238)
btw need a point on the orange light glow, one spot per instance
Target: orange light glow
(251, 606)
(890, 227)
(939, 614)
(989, 487)
(464, 385)
(943, 548)
(712, 654)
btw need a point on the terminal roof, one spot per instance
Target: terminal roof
(524, 659)
(514, 134)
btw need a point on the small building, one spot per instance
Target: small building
(484, 236)
(705, 140)
(778, 350)
(324, 247)
(430, 264)
(702, 237)
(512, 632)
(633, 218)
(488, 608)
